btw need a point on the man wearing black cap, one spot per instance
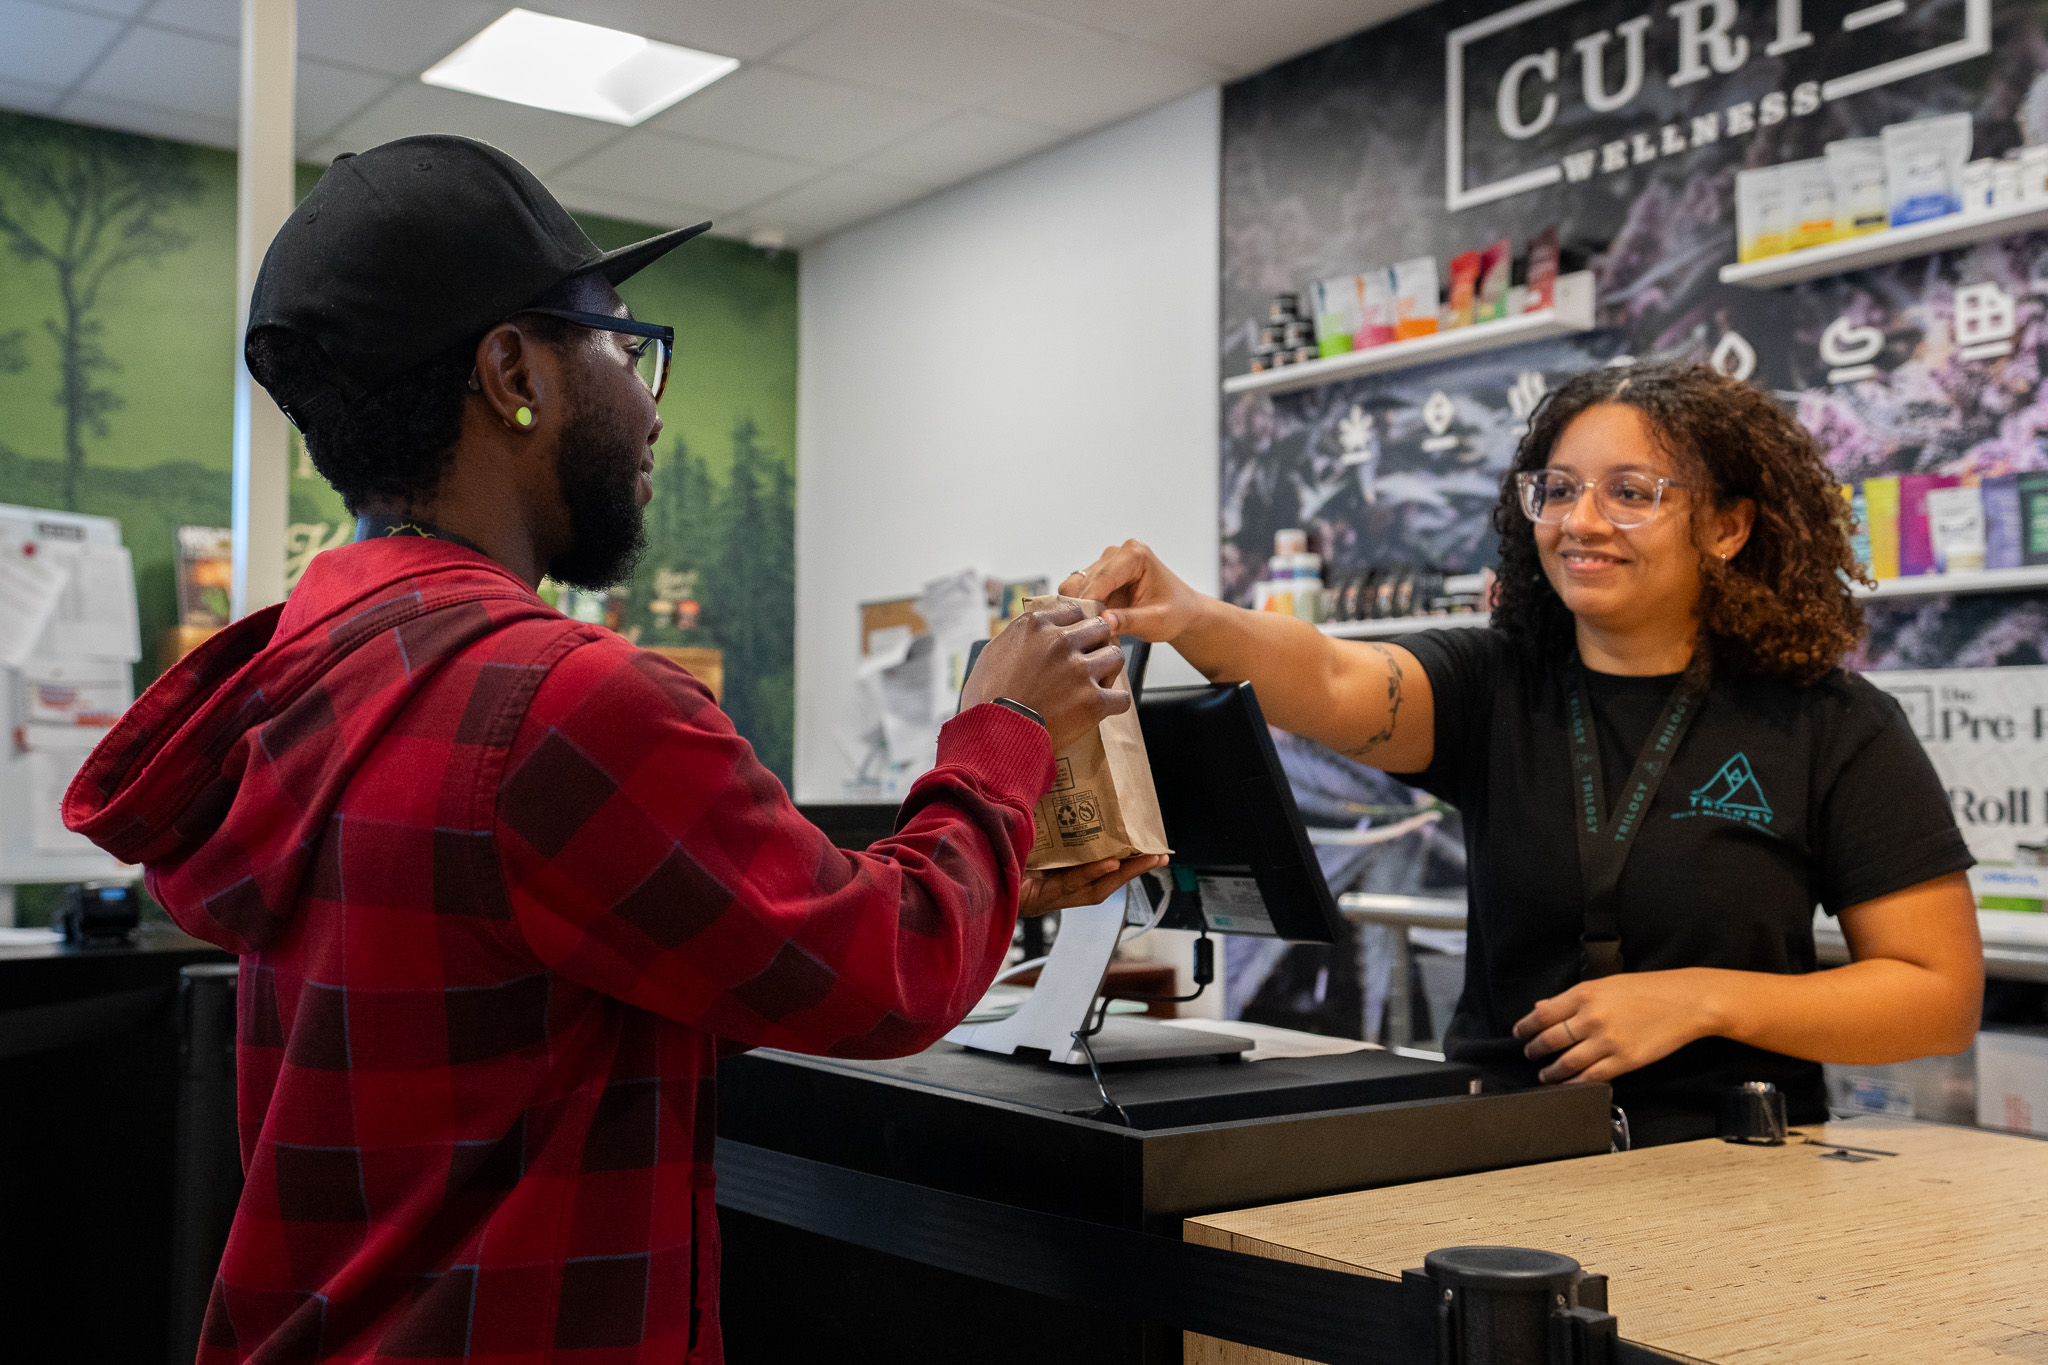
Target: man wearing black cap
(502, 884)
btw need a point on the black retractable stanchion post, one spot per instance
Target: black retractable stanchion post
(209, 1171)
(1506, 1306)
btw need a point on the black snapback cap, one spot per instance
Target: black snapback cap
(409, 248)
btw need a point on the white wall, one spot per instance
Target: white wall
(1011, 374)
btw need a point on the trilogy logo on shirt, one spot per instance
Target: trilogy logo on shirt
(1733, 794)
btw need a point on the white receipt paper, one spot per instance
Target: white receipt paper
(30, 589)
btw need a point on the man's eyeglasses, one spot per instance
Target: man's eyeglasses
(1626, 500)
(652, 355)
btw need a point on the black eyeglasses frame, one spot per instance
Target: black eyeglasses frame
(605, 322)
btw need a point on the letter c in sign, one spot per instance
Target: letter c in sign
(1508, 105)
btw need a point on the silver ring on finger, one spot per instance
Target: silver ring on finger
(1566, 1025)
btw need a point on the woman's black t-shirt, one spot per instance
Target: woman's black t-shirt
(1780, 798)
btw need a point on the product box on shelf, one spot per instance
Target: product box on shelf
(2002, 539)
(1542, 269)
(1415, 298)
(1923, 165)
(1856, 170)
(2012, 1079)
(1464, 289)
(1955, 527)
(1916, 542)
(1881, 515)
(1337, 313)
(1762, 216)
(2033, 491)
(1809, 203)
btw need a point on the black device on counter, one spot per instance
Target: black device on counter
(1230, 818)
(97, 912)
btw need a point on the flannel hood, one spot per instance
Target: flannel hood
(221, 776)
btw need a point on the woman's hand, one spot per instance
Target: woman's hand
(1061, 888)
(1143, 596)
(1611, 1025)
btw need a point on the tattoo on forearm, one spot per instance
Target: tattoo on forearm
(1386, 732)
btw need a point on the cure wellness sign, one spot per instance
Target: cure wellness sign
(1623, 125)
(1555, 90)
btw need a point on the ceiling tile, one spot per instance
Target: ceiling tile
(1117, 16)
(170, 71)
(1251, 37)
(220, 19)
(656, 213)
(744, 30)
(326, 96)
(656, 166)
(933, 49)
(400, 37)
(48, 46)
(142, 118)
(831, 202)
(963, 145)
(539, 139)
(27, 98)
(120, 9)
(1121, 79)
(784, 113)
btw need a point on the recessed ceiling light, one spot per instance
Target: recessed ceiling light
(576, 68)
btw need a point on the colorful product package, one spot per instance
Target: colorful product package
(1762, 214)
(1810, 203)
(1856, 168)
(1923, 167)
(2002, 539)
(1376, 308)
(1955, 527)
(1881, 515)
(2033, 491)
(1337, 313)
(1859, 525)
(1916, 540)
(1496, 269)
(1415, 298)
(1464, 289)
(1543, 262)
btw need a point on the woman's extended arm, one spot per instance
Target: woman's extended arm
(1370, 701)
(1914, 989)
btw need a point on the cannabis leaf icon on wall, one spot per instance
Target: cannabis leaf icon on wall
(86, 203)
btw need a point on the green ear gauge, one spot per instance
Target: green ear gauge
(524, 417)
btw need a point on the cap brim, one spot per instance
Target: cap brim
(621, 265)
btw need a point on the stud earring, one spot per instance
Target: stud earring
(524, 417)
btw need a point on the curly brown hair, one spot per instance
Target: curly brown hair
(1782, 606)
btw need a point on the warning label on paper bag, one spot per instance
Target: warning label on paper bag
(1234, 905)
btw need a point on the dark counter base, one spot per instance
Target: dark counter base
(1001, 1130)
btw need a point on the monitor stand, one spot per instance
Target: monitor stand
(1064, 1002)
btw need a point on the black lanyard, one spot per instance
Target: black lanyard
(1604, 844)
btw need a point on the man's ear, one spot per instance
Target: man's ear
(513, 376)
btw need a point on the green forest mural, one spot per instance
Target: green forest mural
(117, 350)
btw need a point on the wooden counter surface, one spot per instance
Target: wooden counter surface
(1726, 1253)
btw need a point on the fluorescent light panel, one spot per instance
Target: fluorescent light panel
(576, 68)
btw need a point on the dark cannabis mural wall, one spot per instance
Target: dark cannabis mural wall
(1623, 125)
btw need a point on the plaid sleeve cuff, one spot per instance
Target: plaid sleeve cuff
(1011, 755)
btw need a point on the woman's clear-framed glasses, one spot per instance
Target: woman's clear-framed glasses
(652, 356)
(1626, 500)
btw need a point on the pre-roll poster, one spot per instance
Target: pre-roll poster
(1623, 125)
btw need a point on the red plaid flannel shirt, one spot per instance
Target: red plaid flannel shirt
(501, 882)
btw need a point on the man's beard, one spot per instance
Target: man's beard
(598, 469)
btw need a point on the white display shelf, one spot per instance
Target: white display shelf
(1963, 580)
(1572, 312)
(1402, 625)
(1891, 244)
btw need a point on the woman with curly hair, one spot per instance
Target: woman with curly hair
(1661, 765)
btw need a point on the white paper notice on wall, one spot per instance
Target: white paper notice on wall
(30, 588)
(55, 754)
(1986, 730)
(95, 616)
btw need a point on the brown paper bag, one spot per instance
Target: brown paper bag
(1102, 803)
